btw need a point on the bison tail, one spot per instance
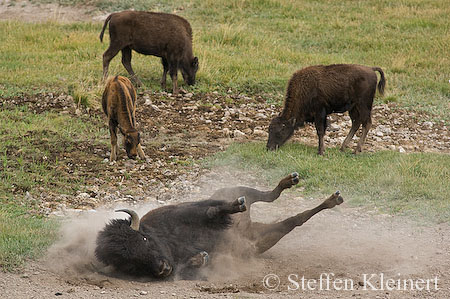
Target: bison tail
(382, 82)
(104, 27)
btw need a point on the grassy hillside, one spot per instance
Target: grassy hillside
(250, 46)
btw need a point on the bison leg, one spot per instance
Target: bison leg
(113, 133)
(233, 207)
(126, 61)
(267, 235)
(164, 75)
(140, 152)
(109, 54)
(173, 70)
(365, 129)
(252, 195)
(355, 126)
(320, 120)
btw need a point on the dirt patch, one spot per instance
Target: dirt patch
(43, 12)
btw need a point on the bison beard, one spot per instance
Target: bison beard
(180, 239)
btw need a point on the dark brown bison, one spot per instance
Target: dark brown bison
(316, 91)
(180, 239)
(159, 34)
(119, 105)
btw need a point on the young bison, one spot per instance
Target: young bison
(182, 238)
(316, 91)
(119, 105)
(159, 34)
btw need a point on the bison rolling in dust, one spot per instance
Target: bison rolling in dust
(119, 105)
(180, 239)
(316, 91)
(159, 34)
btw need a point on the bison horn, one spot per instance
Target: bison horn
(134, 218)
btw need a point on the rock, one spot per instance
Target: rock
(156, 108)
(83, 195)
(334, 127)
(226, 132)
(427, 125)
(143, 293)
(401, 149)
(379, 133)
(260, 116)
(391, 147)
(188, 95)
(238, 134)
(261, 133)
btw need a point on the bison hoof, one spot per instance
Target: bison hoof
(339, 200)
(242, 206)
(165, 270)
(337, 192)
(294, 178)
(205, 258)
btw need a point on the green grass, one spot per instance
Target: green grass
(402, 184)
(250, 46)
(32, 147)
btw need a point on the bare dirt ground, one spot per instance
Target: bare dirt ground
(345, 242)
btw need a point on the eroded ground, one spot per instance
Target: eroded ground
(348, 242)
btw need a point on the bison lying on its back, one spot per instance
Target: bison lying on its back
(181, 238)
(316, 91)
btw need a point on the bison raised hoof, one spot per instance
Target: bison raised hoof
(241, 202)
(205, 258)
(289, 181)
(295, 179)
(333, 200)
(164, 269)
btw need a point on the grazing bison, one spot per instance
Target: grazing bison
(119, 105)
(180, 239)
(159, 34)
(316, 91)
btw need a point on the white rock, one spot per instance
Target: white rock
(260, 116)
(156, 108)
(334, 127)
(428, 124)
(379, 133)
(259, 132)
(401, 149)
(188, 95)
(226, 132)
(238, 134)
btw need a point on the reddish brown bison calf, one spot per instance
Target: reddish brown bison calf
(119, 105)
(159, 34)
(316, 91)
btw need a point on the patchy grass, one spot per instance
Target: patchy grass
(406, 184)
(32, 148)
(249, 46)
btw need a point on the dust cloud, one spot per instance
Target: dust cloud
(345, 240)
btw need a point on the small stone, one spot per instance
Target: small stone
(238, 134)
(143, 293)
(188, 95)
(226, 132)
(259, 132)
(401, 149)
(334, 127)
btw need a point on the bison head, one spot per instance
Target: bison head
(131, 141)
(189, 70)
(280, 130)
(121, 244)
